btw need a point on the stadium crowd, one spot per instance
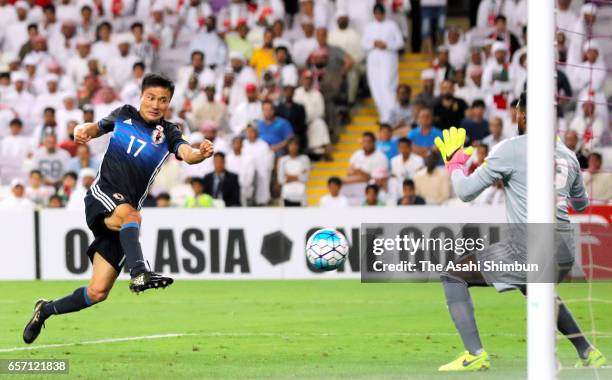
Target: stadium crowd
(272, 83)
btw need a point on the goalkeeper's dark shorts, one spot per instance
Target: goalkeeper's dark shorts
(509, 252)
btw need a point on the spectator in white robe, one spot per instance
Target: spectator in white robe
(62, 45)
(304, 46)
(334, 199)
(382, 39)
(19, 99)
(498, 80)
(244, 167)
(86, 179)
(581, 32)
(469, 89)
(263, 156)
(207, 40)
(349, 40)
(87, 24)
(292, 173)
(51, 98)
(588, 80)
(314, 104)
(130, 92)
(104, 49)
(360, 15)
(118, 70)
(458, 50)
(365, 160)
(68, 111)
(67, 10)
(243, 75)
(247, 112)
(197, 67)
(7, 13)
(488, 10)
(17, 200)
(14, 150)
(157, 28)
(17, 29)
(77, 66)
(589, 127)
(406, 164)
(565, 16)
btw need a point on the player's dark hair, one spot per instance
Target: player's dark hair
(408, 182)
(405, 140)
(372, 186)
(197, 52)
(478, 103)
(384, 126)
(49, 109)
(16, 121)
(5, 75)
(335, 180)
(36, 171)
(165, 196)
(220, 154)
(370, 135)
(32, 26)
(157, 80)
(137, 24)
(138, 64)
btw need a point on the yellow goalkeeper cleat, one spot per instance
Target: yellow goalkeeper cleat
(595, 359)
(468, 362)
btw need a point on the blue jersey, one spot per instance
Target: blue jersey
(135, 153)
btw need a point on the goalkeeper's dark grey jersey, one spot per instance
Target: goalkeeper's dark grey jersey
(508, 162)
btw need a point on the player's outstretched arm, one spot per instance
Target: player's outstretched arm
(85, 132)
(195, 156)
(466, 187)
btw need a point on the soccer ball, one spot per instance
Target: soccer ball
(326, 249)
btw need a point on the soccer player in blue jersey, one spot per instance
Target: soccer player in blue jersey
(140, 143)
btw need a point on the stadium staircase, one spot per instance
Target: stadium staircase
(364, 119)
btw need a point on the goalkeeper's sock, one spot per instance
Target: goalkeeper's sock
(134, 259)
(76, 301)
(568, 327)
(461, 310)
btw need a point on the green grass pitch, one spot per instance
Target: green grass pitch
(284, 329)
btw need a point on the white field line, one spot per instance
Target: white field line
(241, 335)
(91, 342)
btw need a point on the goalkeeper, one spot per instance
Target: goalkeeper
(508, 162)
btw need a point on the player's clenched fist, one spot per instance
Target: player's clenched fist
(207, 148)
(80, 134)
